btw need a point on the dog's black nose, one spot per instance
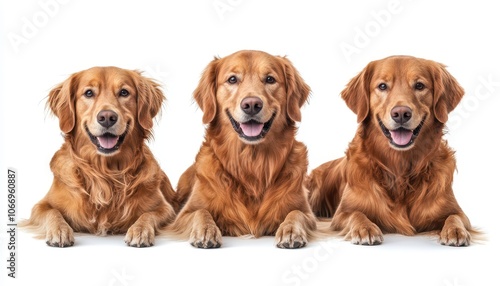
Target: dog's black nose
(107, 118)
(401, 114)
(251, 105)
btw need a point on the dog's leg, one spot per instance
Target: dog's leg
(358, 228)
(454, 232)
(142, 232)
(325, 185)
(295, 229)
(204, 231)
(58, 233)
(185, 186)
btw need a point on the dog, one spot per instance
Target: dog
(247, 179)
(396, 176)
(106, 180)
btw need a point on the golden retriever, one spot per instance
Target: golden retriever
(397, 174)
(248, 176)
(106, 180)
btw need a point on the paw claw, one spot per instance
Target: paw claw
(140, 236)
(455, 237)
(62, 236)
(207, 236)
(290, 236)
(366, 235)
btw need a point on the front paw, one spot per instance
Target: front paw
(291, 235)
(454, 236)
(60, 236)
(454, 232)
(206, 236)
(140, 235)
(365, 234)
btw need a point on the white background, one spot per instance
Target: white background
(44, 41)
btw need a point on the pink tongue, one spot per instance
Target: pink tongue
(252, 128)
(401, 137)
(107, 142)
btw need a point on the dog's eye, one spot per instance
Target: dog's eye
(232, 80)
(124, 92)
(270, 79)
(88, 93)
(419, 86)
(382, 86)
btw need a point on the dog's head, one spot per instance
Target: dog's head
(105, 107)
(253, 92)
(403, 95)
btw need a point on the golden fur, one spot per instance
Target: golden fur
(395, 180)
(106, 180)
(247, 178)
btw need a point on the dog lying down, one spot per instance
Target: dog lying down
(248, 176)
(396, 176)
(106, 180)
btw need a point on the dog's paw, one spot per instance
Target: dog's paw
(291, 235)
(455, 236)
(365, 234)
(60, 236)
(206, 236)
(140, 235)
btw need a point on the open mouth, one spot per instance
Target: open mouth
(251, 130)
(401, 137)
(107, 143)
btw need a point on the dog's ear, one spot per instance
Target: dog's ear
(447, 92)
(205, 92)
(61, 101)
(149, 100)
(297, 91)
(357, 93)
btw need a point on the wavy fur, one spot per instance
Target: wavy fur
(122, 192)
(378, 188)
(241, 188)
